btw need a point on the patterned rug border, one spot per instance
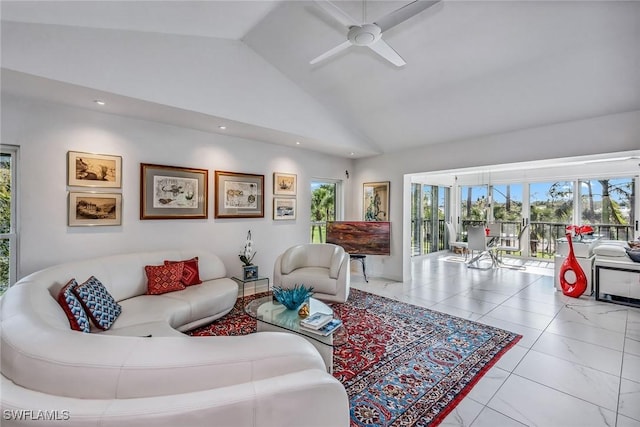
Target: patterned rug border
(442, 397)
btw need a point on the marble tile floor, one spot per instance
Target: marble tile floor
(578, 363)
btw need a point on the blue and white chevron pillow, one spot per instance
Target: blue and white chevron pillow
(98, 303)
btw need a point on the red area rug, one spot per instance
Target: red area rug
(402, 365)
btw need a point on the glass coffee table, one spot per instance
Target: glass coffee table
(272, 316)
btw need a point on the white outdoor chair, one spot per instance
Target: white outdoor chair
(500, 249)
(454, 244)
(477, 240)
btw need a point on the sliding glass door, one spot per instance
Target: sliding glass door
(474, 203)
(551, 210)
(509, 210)
(429, 208)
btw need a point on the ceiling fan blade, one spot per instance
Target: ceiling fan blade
(342, 46)
(383, 49)
(400, 15)
(338, 14)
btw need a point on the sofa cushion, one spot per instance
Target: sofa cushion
(72, 307)
(190, 273)
(634, 244)
(634, 254)
(211, 298)
(98, 303)
(611, 250)
(318, 277)
(153, 308)
(164, 278)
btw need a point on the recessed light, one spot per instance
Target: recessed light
(297, 142)
(99, 101)
(222, 127)
(352, 153)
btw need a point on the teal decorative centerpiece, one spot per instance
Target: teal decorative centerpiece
(292, 298)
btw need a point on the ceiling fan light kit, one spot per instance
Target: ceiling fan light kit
(370, 35)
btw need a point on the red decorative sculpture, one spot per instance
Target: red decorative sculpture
(576, 287)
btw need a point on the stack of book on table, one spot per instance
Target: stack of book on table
(320, 323)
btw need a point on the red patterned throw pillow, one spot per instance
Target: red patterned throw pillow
(72, 307)
(190, 273)
(164, 278)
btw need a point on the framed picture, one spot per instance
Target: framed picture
(239, 195)
(92, 209)
(94, 170)
(284, 208)
(375, 203)
(284, 184)
(170, 192)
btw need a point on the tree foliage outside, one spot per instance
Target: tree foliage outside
(5, 219)
(474, 203)
(323, 209)
(607, 201)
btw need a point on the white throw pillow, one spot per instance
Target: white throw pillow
(610, 250)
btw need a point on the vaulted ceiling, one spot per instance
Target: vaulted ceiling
(473, 68)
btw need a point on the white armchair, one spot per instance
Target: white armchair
(323, 266)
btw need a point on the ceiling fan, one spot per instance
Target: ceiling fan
(370, 35)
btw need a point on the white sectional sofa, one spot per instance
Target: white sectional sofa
(143, 371)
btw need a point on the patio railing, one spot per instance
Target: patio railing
(542, 235)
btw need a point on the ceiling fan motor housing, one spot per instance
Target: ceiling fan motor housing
(364, 35)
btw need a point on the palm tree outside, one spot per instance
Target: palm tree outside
(323, 209)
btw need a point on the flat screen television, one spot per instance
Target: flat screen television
(361, 237)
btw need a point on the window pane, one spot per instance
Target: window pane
(507, 202)
(4, 265)
(607, 205)
(5, 193)
(551, 212)
(323, 209)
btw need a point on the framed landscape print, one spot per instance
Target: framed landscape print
(93, 209)
(171, 192)
(93, 170)
(375, 203)
(239, 195)
(284, 208)
(284, 184)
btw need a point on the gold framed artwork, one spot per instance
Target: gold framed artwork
(94, 170)
(284, 208)
(375, 203)
(94, 209)
(284, 184)
(172, 192)
(239, 195)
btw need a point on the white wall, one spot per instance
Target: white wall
(45, 132)
(607, 134)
